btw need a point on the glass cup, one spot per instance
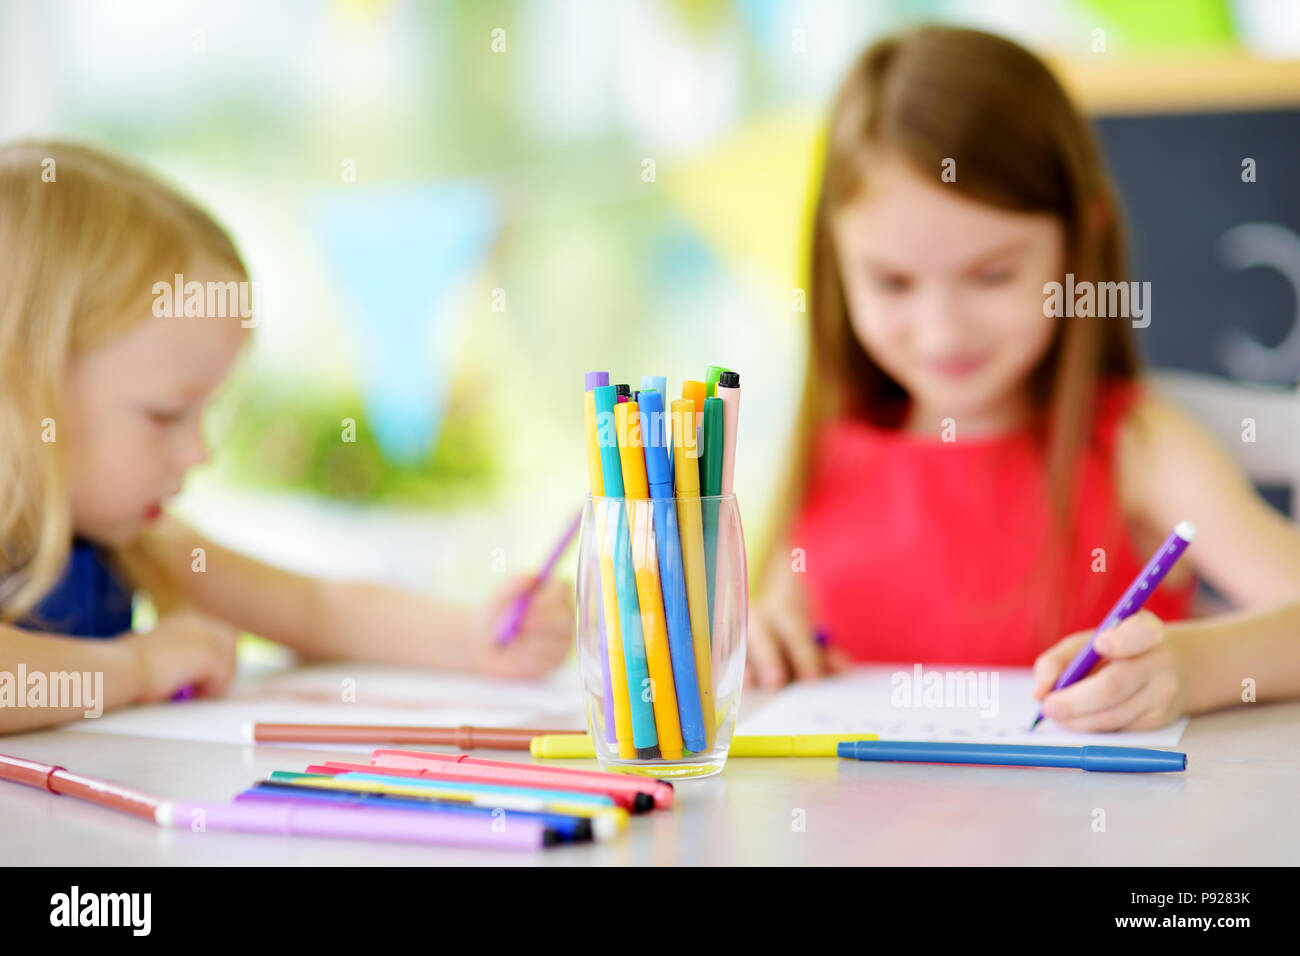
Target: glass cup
(662, 602)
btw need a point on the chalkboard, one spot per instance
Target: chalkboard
(1222, 254)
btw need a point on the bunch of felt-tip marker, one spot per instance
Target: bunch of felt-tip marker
(403, 796)
(661, 473)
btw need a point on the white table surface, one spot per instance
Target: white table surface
(1236, 804)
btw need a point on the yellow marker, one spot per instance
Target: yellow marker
(690, 524)
(608, 595)
(616, 816)
(645, 560)
(579, 746)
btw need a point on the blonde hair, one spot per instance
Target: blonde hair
(939, 92)
(83, 238)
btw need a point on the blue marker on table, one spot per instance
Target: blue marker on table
(1115, 759)
(644, 735)
(668, 543)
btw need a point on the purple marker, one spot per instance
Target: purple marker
(503, 832)
(186, 692)
(514, 617)
(598, 380)
(1129, 604)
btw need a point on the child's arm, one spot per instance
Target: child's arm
(347, 620)
(1171, 470)
(781, 643)
(185, 648)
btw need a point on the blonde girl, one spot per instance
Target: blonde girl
(101, 405)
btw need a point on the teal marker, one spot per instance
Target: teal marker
(644, 736)
(710, 487)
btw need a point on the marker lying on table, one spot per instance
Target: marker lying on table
(627, 790)
(462, 738)
(395, 825)
(1115, 759)
(514, 617)
(623, 790)
(579, 746)
(573, 829)
(569, 802)
(1128, 605)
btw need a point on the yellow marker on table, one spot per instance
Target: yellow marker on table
(608, 594)
(579, 746)
(690, 523)
(645, 561)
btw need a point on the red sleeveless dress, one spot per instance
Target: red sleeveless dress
(923, 551)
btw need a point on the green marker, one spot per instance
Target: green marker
(711, 380)
(711, 486)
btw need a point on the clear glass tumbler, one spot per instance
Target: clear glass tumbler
(662, 602)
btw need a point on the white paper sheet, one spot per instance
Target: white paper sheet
(931, 703)
(316, 695)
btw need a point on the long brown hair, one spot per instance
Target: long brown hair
(1020, 144)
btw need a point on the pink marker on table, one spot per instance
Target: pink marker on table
(1128, 605)
(356, 823)
(636, 794)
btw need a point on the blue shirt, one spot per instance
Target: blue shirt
(89, 600)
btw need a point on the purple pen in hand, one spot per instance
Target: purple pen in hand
(1129, 604)
(514, 617)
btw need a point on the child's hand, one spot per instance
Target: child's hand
(781, 643)
(184, 648)
(544, 637)
(1137, 685)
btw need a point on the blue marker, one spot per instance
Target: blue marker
(660, 384)
(644, 736)
(1116, 759)
(668, 542)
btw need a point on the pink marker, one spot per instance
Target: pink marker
(728, 389)
(633, 793)
(358, 823)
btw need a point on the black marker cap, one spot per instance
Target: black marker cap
(636, 396)
(623, 390)
(729, 379)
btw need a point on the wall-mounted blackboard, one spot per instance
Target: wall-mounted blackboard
(1194, 225)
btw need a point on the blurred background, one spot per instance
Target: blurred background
(454, 209)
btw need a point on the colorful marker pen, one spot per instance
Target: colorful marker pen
(690, 522)
(668, 545)
(1128, 605)
(649, 591)
(618, 547)
(597, 483)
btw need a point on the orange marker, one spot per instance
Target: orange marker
(645, 560)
